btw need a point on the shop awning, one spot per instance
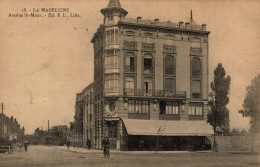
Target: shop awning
(167, 128)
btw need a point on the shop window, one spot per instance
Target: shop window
(196, 109)
(138, 106)
(169, 107)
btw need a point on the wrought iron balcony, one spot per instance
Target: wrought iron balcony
(154, 93)
(130, 68)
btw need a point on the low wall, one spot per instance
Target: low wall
(237, 142)
(223, 143)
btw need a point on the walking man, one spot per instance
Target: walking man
(25, 145)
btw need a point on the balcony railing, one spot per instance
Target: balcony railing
(155, 93)
(195, 51)
(130, 68)
(196, 95)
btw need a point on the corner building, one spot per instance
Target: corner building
(150, 83)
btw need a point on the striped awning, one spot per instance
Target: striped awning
(167, 128)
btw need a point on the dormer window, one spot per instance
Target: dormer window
(110, 17)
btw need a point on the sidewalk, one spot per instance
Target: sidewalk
(94, 151)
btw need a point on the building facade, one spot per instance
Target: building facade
(150, 88)
(10, 129)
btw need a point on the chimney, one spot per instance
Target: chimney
(203, 27)
(180, 24)
(138, 18)
(155, 21)
(48, 125)
(187, 24)
(2, 108)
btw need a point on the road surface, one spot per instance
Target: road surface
(48, 156)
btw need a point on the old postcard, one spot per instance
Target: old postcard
(129, 83)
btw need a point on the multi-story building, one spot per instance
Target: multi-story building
(150, 83)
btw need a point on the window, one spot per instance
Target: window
(148, 64)
(169, 107)
(196, 109)
(110, 17)
(169, 85)
(196, 67)
(148, 86)
(129, 82)
(130, 63)
(138, 106)
(195, 89)
(111, 59)
(111, 83)
(112, 36)
(169, 65)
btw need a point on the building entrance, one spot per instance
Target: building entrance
(112, 134)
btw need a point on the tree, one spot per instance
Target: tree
(251, 106)
(219, 99)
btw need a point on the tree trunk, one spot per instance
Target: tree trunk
(214, 141)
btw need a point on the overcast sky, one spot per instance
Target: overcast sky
(44, 62)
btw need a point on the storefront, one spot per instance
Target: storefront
(167, 135)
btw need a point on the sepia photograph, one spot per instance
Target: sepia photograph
(125, 83)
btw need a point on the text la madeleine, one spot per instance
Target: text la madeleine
(50, 9)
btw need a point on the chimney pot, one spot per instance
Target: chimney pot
(155, 21)
(180, 24)
(187, 24)
(204, 27)
(138, 18)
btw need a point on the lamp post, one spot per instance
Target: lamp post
(157, 138)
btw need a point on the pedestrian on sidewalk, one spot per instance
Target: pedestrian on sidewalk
(68, 144)
(25, 144)
(88, 143)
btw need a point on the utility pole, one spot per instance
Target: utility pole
(48, 125)
(2, 108)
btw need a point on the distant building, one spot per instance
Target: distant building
(150, 87)
(10, 129)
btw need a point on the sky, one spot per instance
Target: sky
(45, 61)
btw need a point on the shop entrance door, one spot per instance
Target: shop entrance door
(112, 134)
